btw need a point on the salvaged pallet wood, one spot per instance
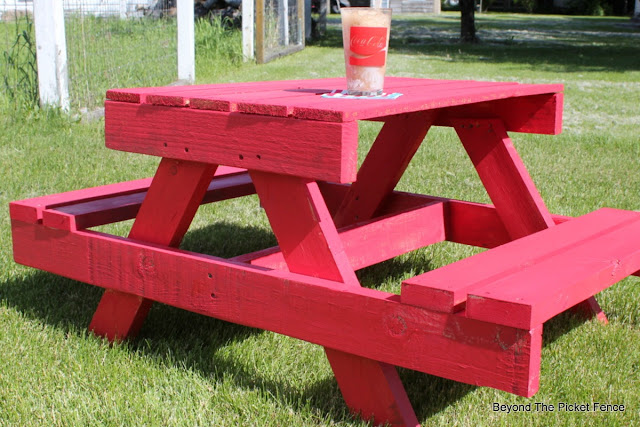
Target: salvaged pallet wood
(302, 224)
(556, 283)
(31, 210)
(522, 107)
(319, 150)
(508, 183)
(164, 217)
(116, 207)
(383, 167)
(448, 288)
(477, 321)
(361, 321)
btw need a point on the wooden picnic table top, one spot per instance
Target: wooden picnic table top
(288, 127)
(302, 98)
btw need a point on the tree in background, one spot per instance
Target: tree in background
(468, 21)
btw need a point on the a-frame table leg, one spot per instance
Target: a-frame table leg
(173, 198)
(388, 158)
(310, 244)
(509, 185)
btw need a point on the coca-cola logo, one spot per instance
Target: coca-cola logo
(368, 46)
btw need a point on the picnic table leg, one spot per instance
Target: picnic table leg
(164, 217)
(383, 167)
(509, 185)
(310, 245)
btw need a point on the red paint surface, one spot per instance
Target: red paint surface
(481, 324)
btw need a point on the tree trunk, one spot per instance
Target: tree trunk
(468, 21)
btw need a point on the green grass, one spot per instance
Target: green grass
(186, 369)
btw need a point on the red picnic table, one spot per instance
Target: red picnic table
(478, 320)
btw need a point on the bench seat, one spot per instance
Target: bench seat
(527, 281)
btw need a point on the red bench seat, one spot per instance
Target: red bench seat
(527, 281)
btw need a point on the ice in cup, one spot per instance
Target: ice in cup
(365, 34)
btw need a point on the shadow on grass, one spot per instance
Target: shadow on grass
(555, 44)
(179, 338)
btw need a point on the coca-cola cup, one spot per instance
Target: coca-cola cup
(365, 34)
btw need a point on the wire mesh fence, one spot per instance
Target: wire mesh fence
(19, 84)
(279, 28)
(110, 43)
(117, 44)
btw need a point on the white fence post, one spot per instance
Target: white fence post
(636, 10)
(247, 29)
(123, 9)
(186, 41)
(51, 53)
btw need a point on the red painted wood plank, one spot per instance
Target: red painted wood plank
(421, 98)
(446, 288)
(303, 105)
(310, 245)
(133, 95)
(355, 320)
(468, 223)
(185, 95)
(30, 210)
(418, 95)
(164, 217)
(141, 95)
(212, 90)
(172, 200)
(507, 182)
(391, 235)
(120, 208)
(371, 242)
(504, 176)
(540, 114)
(316, 150)
(261, 102)
(383, 167)
(302, 224)
(533, 294)
(165, 95)
(363, 392)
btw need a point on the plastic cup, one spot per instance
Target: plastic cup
(365, 35)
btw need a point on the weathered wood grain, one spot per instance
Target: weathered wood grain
(383, 167)
(311, 246)
(446, 288)
(508, 183)
(369, 242)
(317, 150)
(168, 208)
(352, 319)
(118, 207)
(534, 293)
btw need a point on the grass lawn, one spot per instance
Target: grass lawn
(187, 369)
